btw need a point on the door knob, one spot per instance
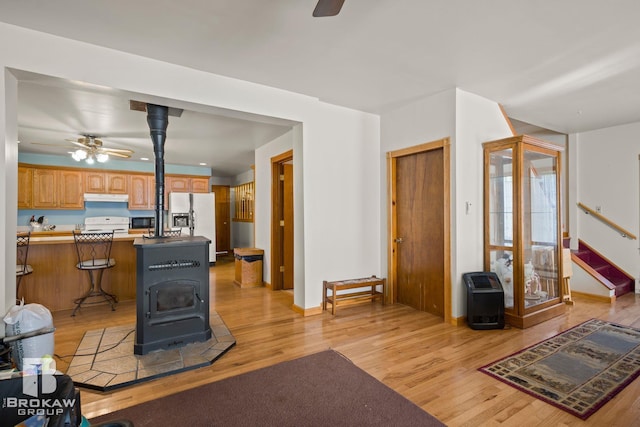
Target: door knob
(398, 240)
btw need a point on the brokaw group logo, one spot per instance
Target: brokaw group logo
(39, 382)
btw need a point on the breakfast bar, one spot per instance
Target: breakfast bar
(56, 282)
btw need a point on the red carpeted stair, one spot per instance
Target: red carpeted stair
(621, 281)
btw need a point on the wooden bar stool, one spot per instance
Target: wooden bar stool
(94, 257)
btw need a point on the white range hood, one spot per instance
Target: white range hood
(96, 197)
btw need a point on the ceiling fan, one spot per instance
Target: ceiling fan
(90, 149)
(327, 8)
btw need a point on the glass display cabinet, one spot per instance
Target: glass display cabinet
(522, 237)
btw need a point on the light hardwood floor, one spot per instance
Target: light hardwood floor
(431, 363)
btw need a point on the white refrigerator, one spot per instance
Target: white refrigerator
(195, 215)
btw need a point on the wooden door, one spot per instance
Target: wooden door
(420, 238)
(223, 217)
(281, 222)
(287, 279)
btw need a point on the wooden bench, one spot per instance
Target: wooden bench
(340, 285)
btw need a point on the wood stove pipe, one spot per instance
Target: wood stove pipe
(158, 120)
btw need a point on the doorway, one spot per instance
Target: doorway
(419, 238)
(282, 221)
(223, 218)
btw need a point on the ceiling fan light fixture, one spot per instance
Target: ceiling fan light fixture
(90, 160)
(79, 155)
(102, 157)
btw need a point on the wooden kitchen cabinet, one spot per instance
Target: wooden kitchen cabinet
(179, 184)
(522, 226)
(200, 185)
(95, 182)
(117, 183)
(57, 189)
(70, 190)
(25, 187)
(45, 189)
(106, 182)
(141, 192)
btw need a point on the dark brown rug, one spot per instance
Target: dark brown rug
(323, 389)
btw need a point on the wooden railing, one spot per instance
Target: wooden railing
(243, 202)
(622, 231)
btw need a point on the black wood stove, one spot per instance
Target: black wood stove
(172, 288)
(172, 282)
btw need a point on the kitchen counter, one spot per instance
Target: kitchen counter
(56, 282)
(54, 236)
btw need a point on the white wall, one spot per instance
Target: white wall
(478, 120)
(341, 204)
(425, 120)
(340, 160)
(262, 206)
(8, 188)
(608, 177)
(468, 120)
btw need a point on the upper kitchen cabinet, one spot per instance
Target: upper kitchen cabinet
(25, 187)
(57, 189)
(106, 182)
(200, 185)
(117, 183)
(179, 184)
(522, 229)
(141, 192)
(187, 184)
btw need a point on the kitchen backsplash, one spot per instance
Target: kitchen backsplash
(61, 218)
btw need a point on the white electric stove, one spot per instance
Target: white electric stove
(100, 224)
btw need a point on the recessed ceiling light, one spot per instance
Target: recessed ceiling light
(203, 164)
(144, 158)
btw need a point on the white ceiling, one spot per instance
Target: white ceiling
(52, 111)
(568, 66)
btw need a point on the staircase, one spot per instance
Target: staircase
(604, 270)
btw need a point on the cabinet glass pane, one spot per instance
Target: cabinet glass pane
(502, 265)
(501, 198)
(540, 228)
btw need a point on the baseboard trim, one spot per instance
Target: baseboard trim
(307, 311)
(601, 298)
(458, 321)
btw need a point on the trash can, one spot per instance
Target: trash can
(248, 265)
(485, 300)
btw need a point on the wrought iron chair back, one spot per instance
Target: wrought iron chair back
(94, 250)
(22, 255)
(94, 255)
(166, 233)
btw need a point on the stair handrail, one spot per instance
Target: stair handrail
(625, 233)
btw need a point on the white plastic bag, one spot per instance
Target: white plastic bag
(27, 318)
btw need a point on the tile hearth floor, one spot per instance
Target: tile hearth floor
(104, 359)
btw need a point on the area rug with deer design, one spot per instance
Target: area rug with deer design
(578, 370)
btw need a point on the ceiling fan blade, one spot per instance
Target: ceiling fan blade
(116, 150)
(51, 145)
(328, 8)
(78, 142)
(125, 156)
